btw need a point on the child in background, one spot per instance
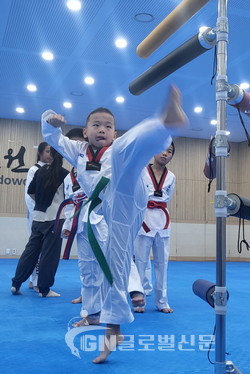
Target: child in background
(155, 230)
(124, 198)
(43, 157)
(48, 192)
(72, 189)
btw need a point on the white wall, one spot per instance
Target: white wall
(14, 235)
(189, 241)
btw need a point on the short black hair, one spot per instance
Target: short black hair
(75, 133)
(100, 110)
(172, 143)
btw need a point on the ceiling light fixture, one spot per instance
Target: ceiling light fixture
(213, 122)
(198, 109)
(47, 55)
(31, 87)
(76, 93)
(20, 110)
(67, 105)
(120, 99)
(74, 5)
(121, 43)
(144, 17)
(89, 80)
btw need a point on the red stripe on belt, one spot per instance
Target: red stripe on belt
(152, 204)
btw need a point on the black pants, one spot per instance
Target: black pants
(44, 243)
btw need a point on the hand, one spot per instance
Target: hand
(65, 233)
(56, 120)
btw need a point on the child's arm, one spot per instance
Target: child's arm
(69, 209)
(52, 134)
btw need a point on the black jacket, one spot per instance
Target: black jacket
(44, 195)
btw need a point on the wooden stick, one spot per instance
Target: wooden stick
(181, 14)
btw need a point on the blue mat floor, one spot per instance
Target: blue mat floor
(36, 334)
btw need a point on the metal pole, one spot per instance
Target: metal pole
(221, 194)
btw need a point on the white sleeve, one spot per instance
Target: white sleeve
(172, 187)
(30, 203)
(69, 149)
(69, 209)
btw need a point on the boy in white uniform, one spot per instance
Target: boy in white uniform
(124, 199)
(155, 230)
(91, 274)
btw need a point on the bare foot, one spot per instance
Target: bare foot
(167, 310)
(112, 339)
(86, 322)
(139, 309)
(15, 291)
(173, 114)
(49, 294)
(138, 300)
(78, 300)
(30, 285)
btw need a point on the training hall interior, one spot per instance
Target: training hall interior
(75, 56)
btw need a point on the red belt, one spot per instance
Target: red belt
(152, 204)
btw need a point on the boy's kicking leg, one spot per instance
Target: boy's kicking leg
(136, 148)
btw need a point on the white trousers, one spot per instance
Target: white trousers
(134, 283)
(160, 248)
(147, 281)
(91, 274)
(124, 205)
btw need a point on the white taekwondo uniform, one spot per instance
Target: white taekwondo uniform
(124, 199)
(155, 232)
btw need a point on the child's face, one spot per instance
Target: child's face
(164, 157)
(45, 156)
(100, 129)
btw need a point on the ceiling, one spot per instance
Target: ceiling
(83, 44)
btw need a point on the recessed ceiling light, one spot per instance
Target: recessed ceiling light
(31, 87)
(89, 80)
(213, 122)
(120, 99)
(198, 109)
(47, 55)
(244, 85)
(228, 132)
(144, 17)
(121, 43)
(67, 104)
(74, 5)
(20, 110)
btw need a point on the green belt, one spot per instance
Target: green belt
(95, 200)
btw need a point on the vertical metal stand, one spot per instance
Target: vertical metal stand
(221, 193)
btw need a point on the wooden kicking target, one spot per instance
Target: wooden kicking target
(181, 14)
